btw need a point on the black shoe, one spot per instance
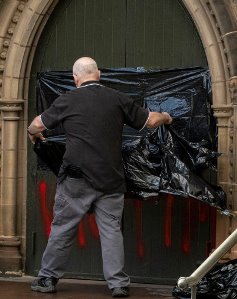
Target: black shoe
(44, 284)
(120, 292)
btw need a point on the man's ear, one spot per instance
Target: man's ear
(75, 79)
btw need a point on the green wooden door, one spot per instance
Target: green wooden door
(124, 33)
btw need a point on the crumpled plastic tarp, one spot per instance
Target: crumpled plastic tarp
(219, 283)
(165, 162)
(167, 159)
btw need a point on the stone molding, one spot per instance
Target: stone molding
(222, 111)
(233, 89)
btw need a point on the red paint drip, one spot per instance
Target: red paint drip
(168, 220)
(93, 226)
(203, 212)
(81, 234)
(212, 243)
(186, 229)
(191, 222)
(139, 229)
(46, 215)
(141, 249)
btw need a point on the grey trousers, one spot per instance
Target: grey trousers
(73, 199)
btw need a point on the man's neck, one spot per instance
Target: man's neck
(87, 80)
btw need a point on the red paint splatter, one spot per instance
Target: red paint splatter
(168, 219)
(139, 229)
(190, 223)
(186, 229)
(212, 242)
(93, 226)
(203, 212)
(81, 234)
(46, 215)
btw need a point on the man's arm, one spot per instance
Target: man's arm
(157, 119)
(35, 128)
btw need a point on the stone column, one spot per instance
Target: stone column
(224, 115)
(233, 159)
(233, 95)
(10, 257)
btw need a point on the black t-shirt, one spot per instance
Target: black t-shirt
(93, 117)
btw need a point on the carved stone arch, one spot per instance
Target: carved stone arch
(29, 19)
(21, 24)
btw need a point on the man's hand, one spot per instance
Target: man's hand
(35, 129)
(157, 119)
(35, 136)
(168, 119)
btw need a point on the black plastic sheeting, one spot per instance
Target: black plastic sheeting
(219, 283)
(169, 159)
(164, 162)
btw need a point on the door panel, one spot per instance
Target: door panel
(165, 237)
(160, 34)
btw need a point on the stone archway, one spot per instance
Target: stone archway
(21, 25)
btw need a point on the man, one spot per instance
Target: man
(93, 117)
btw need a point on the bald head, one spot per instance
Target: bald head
(85, 69)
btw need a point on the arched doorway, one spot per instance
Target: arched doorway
(117, 34)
